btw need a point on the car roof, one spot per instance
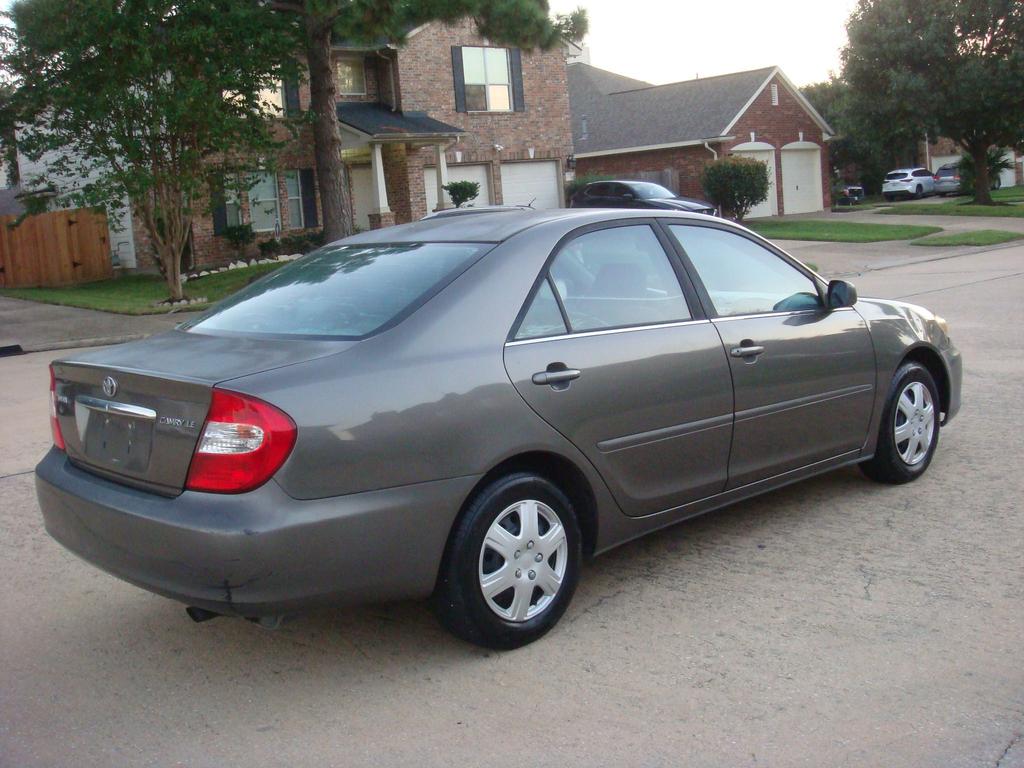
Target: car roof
(495, 226)
(908, 168)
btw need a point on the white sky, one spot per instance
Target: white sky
(663, 41)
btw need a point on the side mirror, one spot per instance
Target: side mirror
(841, 294)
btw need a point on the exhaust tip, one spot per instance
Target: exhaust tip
(199, 615)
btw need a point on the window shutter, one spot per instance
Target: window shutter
(307, 188)
(460, 79)
(220, 209)
(515, 62)
(291, 98)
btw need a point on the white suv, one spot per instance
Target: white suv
(908, 182)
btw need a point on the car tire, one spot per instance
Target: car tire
(919, 192)
(888, 198)
(910, 417)
(541, 576)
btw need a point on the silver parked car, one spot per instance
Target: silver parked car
(468, 406)
(908, 182)
(947, 179)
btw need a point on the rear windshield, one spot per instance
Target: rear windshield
(896, 175)
(947, 171)
(344, 292)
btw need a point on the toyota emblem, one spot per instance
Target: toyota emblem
(110, 386)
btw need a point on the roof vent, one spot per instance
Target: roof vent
(775, 94)
(583, 129)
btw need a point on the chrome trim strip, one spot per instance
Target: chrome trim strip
(801, 402)
(778, 314)
(584, 334)
(664, 433)
(118, 409)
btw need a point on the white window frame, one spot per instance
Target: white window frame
(253, 201)
(354, 60)
(301, 223)
(487, 81)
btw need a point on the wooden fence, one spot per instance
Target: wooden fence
(55, 248)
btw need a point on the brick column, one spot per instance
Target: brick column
(381, 220)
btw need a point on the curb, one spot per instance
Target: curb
(103, 341)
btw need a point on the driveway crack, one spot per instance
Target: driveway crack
(1013, 742)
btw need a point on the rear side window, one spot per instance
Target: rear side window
(612, 278)
(342, 291)
(543, 318)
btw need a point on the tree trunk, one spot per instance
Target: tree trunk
(982, 185)
(168, 232)
(326, 136)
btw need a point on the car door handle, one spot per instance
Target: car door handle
(751, 350)
(555, 377)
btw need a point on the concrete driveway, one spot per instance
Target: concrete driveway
(834, 623)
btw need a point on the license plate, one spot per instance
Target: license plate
(117, 442)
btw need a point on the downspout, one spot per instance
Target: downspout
(715, 153)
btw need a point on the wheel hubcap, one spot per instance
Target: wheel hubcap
(914, 424)
(523, 560)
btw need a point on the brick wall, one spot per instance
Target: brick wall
(776, 125)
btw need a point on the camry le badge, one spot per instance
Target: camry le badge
(109, 386)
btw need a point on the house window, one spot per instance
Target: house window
(274, 97)
(351, 77)
(775, 94)
(294, 190)
(232, 208)
(263, 206)
(487, 80)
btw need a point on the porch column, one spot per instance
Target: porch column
(442, 175)
(380, 190)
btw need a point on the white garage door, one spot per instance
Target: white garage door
(769, 207)
(940, 160)
(362, 195)
(801, 180)
(477, 173)
(1009, 178)
(535, 183)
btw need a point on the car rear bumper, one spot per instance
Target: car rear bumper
(946, 187)
(255, 554)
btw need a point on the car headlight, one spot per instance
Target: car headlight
(943, 325)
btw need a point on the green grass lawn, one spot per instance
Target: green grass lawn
(1005, 207)
(977, 237)
(137, 294)
(838, 231)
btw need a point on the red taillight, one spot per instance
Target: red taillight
(58, 438)
(244, 442)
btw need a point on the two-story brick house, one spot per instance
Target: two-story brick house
(447, 105)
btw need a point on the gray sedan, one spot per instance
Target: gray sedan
(468, 406)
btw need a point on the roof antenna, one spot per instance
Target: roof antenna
(530, 204)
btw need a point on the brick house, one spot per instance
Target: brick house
(445, 106)
(667, 133)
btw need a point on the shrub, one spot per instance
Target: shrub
(462, 192)
(997, 163)
(240, 236)
(269, 249)
(735, 184)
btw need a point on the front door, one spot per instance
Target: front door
(614, 353)
(803, 376)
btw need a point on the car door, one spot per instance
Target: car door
(803, 375)
(612, 350)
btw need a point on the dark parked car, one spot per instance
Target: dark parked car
(637, 194)
(468, 406)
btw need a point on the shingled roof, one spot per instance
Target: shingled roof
(613, 112)
(378, 121)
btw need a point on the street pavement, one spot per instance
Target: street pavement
(833, 623)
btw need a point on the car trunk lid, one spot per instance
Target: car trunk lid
(134, 413)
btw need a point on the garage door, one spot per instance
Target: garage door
(477, 173)
(535, 183)
(362, 195)
(1009, 177)
(769, 207)
(940, 160)
(801, 180)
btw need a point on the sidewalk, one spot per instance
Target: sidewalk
(35, 327)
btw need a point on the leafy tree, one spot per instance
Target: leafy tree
(462, 192)
(153, 99)
(951, 68)
(517, 22)
(240, 236)
(735, 184)
(996, 161)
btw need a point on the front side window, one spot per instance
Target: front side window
(341, 291)
(294, 189)
(263, 208)
(617, 277)
(487, 79)
(351, 77)
(743, 277)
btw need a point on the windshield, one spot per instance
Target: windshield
(647, 191)
(342, 291)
